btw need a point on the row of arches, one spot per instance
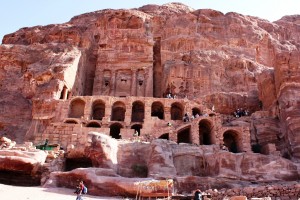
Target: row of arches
(76, 110)
(206, 137)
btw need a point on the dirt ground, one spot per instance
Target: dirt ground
(39, 193)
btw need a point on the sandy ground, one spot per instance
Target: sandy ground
(39, 193)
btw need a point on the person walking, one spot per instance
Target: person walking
(79, 191)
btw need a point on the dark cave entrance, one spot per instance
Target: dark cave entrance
(19, 178)
(196, 111)
(164, 136)
(115, 131)
(74, 163)
(183, 136)
(93, 125)
(118, 111)
(138, 112)
(157, 110)
(98, 110)
(137, 127)
(205, 137)
(230, 139)
(176, 111)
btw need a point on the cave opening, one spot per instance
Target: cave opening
(74, 163)
(183, 136)
(205, 136)
(230, 139)
(19, 178)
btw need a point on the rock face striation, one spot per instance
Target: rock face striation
(222, 88)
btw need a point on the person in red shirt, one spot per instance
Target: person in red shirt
(79, 191)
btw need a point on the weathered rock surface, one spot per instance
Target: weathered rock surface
(118, 64)
(226, 60)
(21, 167)
(187, 164)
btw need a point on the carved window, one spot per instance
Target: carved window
(106, 83)
(141, 82)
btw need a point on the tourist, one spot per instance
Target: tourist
(136, 133)
(192, 117)
(169, 95)
(198, 195)
(45, 144)
(224, 148)
(79, 191)
(186, 118)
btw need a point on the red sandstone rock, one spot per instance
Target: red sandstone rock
(107, 72)
(22, 161)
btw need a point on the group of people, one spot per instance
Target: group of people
(187, 118)
(241, 112)
(170, 96)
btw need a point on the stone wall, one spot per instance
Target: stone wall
(70, 121)
(289, 191)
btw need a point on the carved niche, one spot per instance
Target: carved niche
(106, 84)
(141, 82)
(123, 83)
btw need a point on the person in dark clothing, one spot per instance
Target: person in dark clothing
(45, 144)
(198, 195)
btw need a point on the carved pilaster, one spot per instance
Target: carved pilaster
(98, 82)
(113, 83)
(134, 83)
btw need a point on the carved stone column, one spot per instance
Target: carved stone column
(128, 111)
(134, 82)
(98, 82)
(147, 111)
(65, 93)
(113, 83)
(167, 113)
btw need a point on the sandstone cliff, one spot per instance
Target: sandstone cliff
(227, 61)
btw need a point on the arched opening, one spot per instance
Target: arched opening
(115, 130)
(230, 139)
(137, 127)
(98, 110)
(94, 125)
(176, 111)
(205, 135)
(157, 110)
(196, 112)
(164, 136)
(74, 163)
(70, 121)
(138, 112)
(183, 136)
(212, 114)
(118, 111)
(64, 93)
(76, 108)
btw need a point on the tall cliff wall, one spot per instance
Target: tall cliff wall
(227, 61)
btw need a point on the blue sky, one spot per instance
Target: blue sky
(16, 14)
